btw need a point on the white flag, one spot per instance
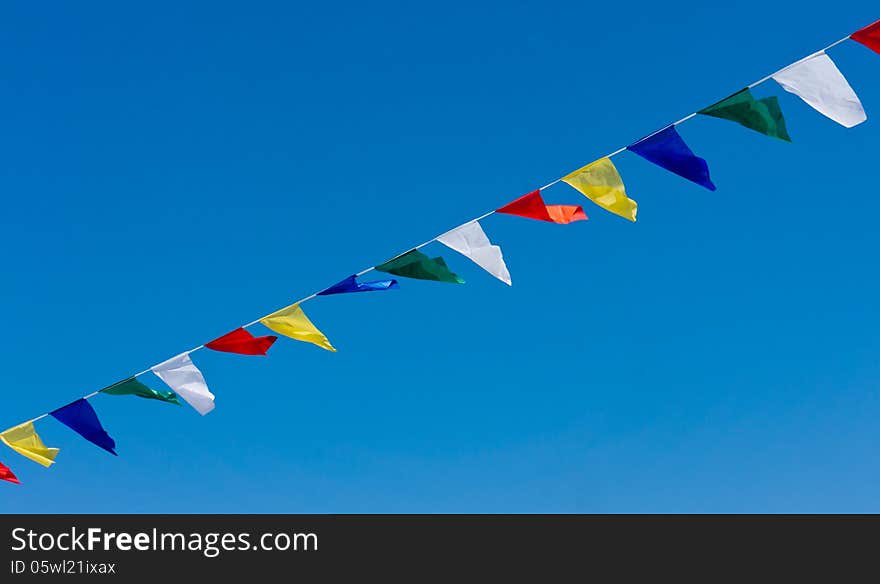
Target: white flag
(181, 375)
(470, 240)
(819, 82)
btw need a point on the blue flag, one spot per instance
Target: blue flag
(351, 284)
(668, 150)
(80, 417)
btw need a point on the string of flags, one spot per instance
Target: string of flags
(815, 79)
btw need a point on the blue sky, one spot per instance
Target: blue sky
(173, 171)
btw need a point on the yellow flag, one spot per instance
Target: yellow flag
(292, 322)
(24, 440)
(601, 183)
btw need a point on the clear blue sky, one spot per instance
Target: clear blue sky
(173, 171)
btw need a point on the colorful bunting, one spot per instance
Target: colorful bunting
(80, 417)
(292, 322)
(181, 375)
(762, 115)
(815, 79)
(7, 475)
(601, 183)
(471, 241)
(667, 150)
(869, 36)
(532, 206)
(242, 342)
(819, 82)
(415, 264)
(25, 440)
(132, 386)
(351, 284)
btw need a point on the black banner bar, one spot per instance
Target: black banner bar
(270, 548)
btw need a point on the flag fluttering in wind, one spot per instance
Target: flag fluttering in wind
(351, 284)
(601, 183)
(761, 115)
(869, 36)
(292, 322)
(80, 417)
(242, 342)
(667, 150)
(182, 376)
(472, 242)
(132, 386)
(7, 475)
(25, 440)
(819, 82)
(415, 264)
(532, 206)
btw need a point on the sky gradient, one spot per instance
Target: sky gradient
(171, 172)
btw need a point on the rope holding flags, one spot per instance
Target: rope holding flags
(815, 79)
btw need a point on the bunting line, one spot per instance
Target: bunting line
(204, 398)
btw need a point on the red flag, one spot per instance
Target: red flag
(242, 342)
(6, 474)
(869, 36)
(533, 207)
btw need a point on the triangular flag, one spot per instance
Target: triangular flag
(7, 475)
(292, 322)
(351, 284)
(415, 264)
(80, 417)
(762, 115)
(819, 82)
(471, 241)
(24, 440)
(532, 206)
(869, 36)
(181, 375)
(242, 342)
(667, 150)
(132, 386)
(601, 183)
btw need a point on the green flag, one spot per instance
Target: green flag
(415, 264)
(762, 115)
(132, 386)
